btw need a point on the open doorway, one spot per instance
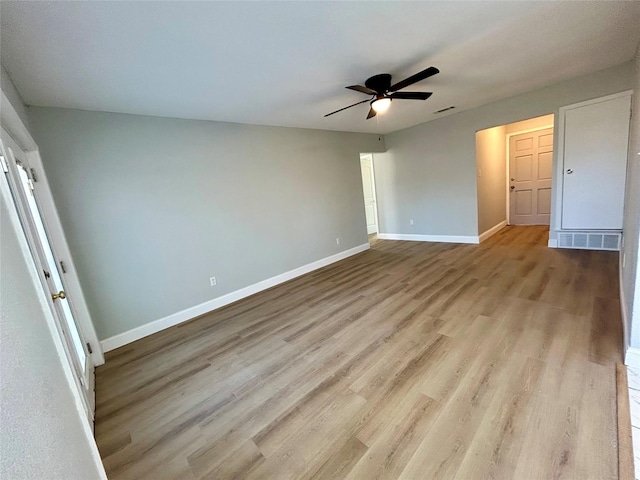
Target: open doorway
(369, 193)
(514, 173)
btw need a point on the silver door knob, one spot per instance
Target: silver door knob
(569, 171)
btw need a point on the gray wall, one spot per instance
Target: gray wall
(9, 89)
(531, 124)
(42, 434)
(428, 171)
(630, 283)
(153, 207)
(491, 165)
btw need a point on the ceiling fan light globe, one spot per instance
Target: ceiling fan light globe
(381, 104)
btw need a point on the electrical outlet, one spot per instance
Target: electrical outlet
(411, 221)
(213, 281)
(338, 241)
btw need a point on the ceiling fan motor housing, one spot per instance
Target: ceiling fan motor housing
(380, 83)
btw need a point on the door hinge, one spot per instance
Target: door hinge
(33, 174)
(46, 274)
(64, 270)
(5, 167)
(89, 348)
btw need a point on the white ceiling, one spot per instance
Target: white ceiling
(287, 63)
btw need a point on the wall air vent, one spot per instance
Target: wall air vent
(589, 240)
(445, 109)
(611, 242)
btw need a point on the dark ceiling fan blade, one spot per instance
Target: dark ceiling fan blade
(414, 78)
(372, 113)
(360, 88)
(411, 95)
(347, 107)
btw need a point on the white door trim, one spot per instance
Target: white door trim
(59, 241)
(559, 170)
(508, 177)
(12, 123)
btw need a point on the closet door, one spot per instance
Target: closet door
(596, 138)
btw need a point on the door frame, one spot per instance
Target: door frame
(373, 186)
(14, 160)
(556, 224)
(18, 133)
(11, 122)
(508, 166)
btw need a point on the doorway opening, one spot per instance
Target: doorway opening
(514, 174)
(369, 194)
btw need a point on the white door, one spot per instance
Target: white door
(50, 268)
(530, 167)
(368, 188)
(596, 139)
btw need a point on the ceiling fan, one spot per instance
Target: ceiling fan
(379, 86)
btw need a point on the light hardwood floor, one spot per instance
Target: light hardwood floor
(411, 360)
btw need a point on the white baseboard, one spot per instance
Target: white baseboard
(552, 243)
(632, 357)
(430, 238)
(155, 326)
(492, 231)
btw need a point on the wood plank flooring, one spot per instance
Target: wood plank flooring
(411, 360)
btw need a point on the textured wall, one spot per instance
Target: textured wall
(9, 89)
(428, 171)
(530, 124)
(491, 166)
(42, 434)
(153, 207)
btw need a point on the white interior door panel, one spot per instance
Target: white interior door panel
(596, 138)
